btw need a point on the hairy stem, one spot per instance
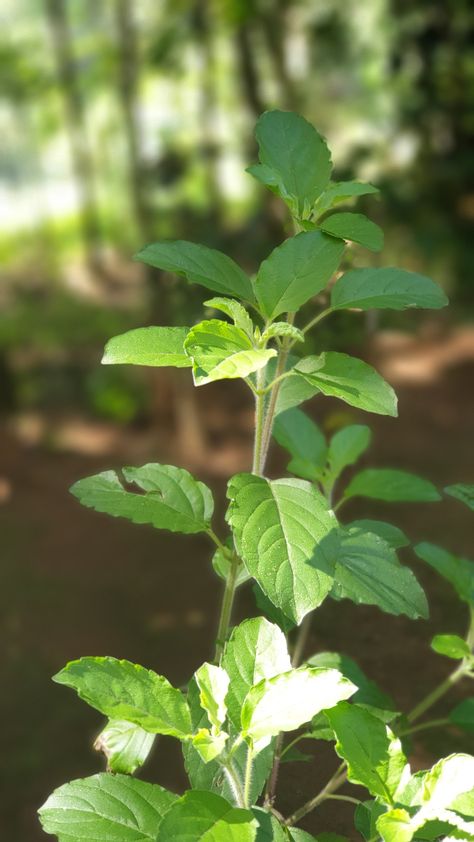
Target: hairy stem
(248, 776)
(234, 783)
(337, 780)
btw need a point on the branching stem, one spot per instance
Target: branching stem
(334, 783)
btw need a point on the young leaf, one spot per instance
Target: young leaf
(368, 693)
(286, 701)
(463, 715)
(283, 329)
(392, 486)
(296, 159)
(341, 191)
(296, 271)
(277, 526)
(346, 446)
(235, 311)
(354, 227)
(222, 564)
(122, 690)
(450, 645)
(373, 755)
(463, 492)
(303, 439)
(349, 379)
(366, 570)
(126, 746)
(389, 533)
(205, 816)
(199, 265)
(458, 571)
(106, 807)
(173, 499)
(221, 351)
(388, 288)
(256, 650)
(213, 683)
(209, 745)
(155, 346)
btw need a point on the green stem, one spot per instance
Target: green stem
(226, 609)
(294, 743)
(424, 726)
(280, 371)
(436, 694)
(234, 783)
(248, 777)
(301, 640)
(343, 798)
(322, 315)
(334, 783)
(259, 431)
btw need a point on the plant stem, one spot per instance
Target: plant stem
(294, 743)
(348, 798)
(322, 315)
(334, 783)
(259, 428)
(234, 783)
(436, 694)
(226, 609)
(432, 723)
(301, 640)
(248, 776)
(280, 370)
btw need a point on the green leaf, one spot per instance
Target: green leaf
(221, 351)
(463, 715)
(213, 683)
(156, 346)
(463, 492)
(346, 446)
(269, 828)
(235, 311)
(292, 390)
(389, 533)
(296, 159)
(458, 571)
(394, 826)
(392, 486)
(450, 645)
(286, 701)
(277, 526)
(209, 775)
(270, 611)
(365, 817)
(373, 755)
(122, 690)
(199, 265)
(388, 288)
(116, 808)
(296, 271)
(209, 744)
(303, 439)
(366, 570)
(341, 191)
(222, 564)
(256, 650)
(126, 746)
(173, 499)
(283, 329)
(354, 227)
(450, 777)
(349, 379)
(368, 693)
(206, 817)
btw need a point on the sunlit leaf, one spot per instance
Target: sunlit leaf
(126, 746)
(154, 346)
(206, 817)
(450, 645)
(173, 499)
(122, 690)
(213, 683)
(221, 351)
(368, 693)
(341, 191)
(235, 311)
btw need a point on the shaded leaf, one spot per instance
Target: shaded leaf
(173, 499)
(303, 439)
(354, 227)
(346, 446)
(392, 486)
(463, 492)
(373, 755)
(463, 715)
(155, 346)
(199, 265)
(458, 571)
(386, 288)
(277, 526)
(341, 191)
(349, 379)
(389, 533)
(122, 690)
(296, 271)
(296, 160)
(368, 692)
(270, 611)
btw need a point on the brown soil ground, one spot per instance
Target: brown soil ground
(76, 583)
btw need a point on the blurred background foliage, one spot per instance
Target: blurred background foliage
(123, 122)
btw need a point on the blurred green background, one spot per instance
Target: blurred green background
(125, 121)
